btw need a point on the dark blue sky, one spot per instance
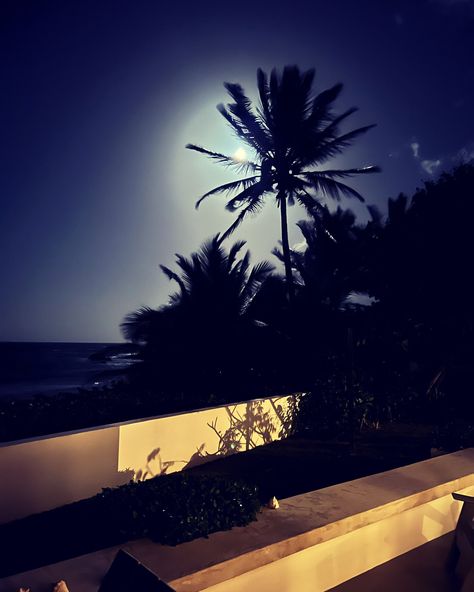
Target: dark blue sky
(98, 99)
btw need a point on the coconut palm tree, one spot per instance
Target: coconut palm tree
(291, 133)
(217, 283)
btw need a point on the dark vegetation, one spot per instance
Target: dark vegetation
(170, 509)
(232, 331)
(404, 358)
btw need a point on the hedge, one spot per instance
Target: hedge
(170, 509)
(85, 408)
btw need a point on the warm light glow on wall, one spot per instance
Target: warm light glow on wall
(169, 444)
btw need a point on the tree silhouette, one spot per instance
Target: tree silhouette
(206, 325)
(419, 272)
(218, 282)
(327, 269)
(291, 133)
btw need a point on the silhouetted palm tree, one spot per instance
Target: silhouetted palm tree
(145, 324)
(206, 319)
(291, 133)
(219, 283)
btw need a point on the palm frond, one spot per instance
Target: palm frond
(136, 325)
(222, 158)
(245, 196)
(232, 121)
(171, 275)
(187, 267)
(234, 250)
(264, 94)
(225, 159)
(324, 150)
(240, 268)
(331, 130)
(320, 112)
(330, 187)
(253, 127)
(261, 270)
(311, 203)
(228, 188)
(346, 140)
(344, 173)
(253, 207)
(256, 277)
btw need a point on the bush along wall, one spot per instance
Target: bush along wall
(170, 509)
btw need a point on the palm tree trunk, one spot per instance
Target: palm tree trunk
(290, 291)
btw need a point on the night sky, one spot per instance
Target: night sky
(97, 102)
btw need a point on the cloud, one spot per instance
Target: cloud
(415, 147)
(430, 166)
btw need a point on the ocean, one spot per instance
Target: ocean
(28, 369)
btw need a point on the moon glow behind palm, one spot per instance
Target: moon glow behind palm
(240, 155)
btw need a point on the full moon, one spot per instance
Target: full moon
(240, 154)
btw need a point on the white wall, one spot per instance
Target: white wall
(45, 473)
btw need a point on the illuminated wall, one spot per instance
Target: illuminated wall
(45, 473)
(172, 443)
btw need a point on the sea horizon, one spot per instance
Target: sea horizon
(29, 368)
(60, 341)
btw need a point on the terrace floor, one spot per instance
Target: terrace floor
(421, 570)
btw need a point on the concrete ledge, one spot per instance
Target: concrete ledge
(306, 521)
(315, 541)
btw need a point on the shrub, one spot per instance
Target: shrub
(179, 507)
